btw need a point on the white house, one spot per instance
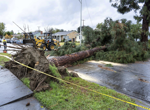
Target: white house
(78, 37)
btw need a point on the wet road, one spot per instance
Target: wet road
(131, 79)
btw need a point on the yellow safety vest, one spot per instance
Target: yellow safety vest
(4, 41)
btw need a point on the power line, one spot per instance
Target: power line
(88, 13)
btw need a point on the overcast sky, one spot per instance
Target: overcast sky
(61, 14)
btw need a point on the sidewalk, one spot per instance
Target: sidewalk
(15, 95)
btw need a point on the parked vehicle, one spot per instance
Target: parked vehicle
(13, 40)
(19, 41)
(8, 40)
(0, 40)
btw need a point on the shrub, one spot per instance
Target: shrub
(68, 48)
(123, 49)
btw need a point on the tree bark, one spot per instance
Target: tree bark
(145, 24)
(67, 59)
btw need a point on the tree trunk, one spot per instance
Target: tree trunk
(145, 24)
(67, 59)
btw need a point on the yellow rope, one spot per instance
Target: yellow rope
(77, 85)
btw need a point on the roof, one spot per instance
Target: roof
(62, 33)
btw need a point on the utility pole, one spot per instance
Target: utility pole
(80, 21)
(38, 27)
(83, 22)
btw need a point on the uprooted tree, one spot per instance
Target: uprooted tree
(120, 38)
(35, 58)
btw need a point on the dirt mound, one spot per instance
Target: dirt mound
(34, 58)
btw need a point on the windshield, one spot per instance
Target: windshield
(49, 37)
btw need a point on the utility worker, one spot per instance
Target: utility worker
(5, 43)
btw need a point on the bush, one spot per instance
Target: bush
(68, 48)
(123, 49)
(149, 41)
(63, 40)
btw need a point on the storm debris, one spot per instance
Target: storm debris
(105, 68)
(33, 58)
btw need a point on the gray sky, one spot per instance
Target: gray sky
(61, 14)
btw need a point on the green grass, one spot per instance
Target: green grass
(109, 65)
(3, 59)
(62, 43)
(26, 81)
(54, 71)
(68, 97)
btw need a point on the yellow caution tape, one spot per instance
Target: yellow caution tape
(76, 84)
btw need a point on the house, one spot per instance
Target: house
(17, 35)
(67, 35)
(38, 34)
(78, 37)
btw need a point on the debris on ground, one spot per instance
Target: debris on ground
(143, 80)
(28, 104)
(34, 58)
(48, 56)
(105, 68)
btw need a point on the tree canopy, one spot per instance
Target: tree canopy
(52, 30)
(2, 29)
(78, 29)
(88, 34)
(119, 35)
(125, 6)
(136, 30)
(98, 26)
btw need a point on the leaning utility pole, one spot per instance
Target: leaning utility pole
(80, 22)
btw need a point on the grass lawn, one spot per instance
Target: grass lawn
(62, 43)
(68, 97)
(3, 59)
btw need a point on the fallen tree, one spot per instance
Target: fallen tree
(67, 59)
(35, 58)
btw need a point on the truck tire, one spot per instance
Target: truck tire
(43, 46)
